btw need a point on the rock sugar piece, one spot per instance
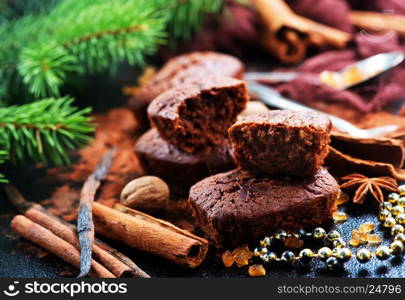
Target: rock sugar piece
(198, 114)
(180, 169)
(281, 142)
(234, 208)
(180, 69)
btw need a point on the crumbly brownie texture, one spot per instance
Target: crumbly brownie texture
(281, 142)
(198, 114)
(180, 69)
(234, 208)
(180, 169)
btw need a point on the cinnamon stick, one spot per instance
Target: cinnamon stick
(54, 244)
(116, 266)
(378, 22)
(288, 35)
(373, 157)
(145, 233)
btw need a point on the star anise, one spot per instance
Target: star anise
(365, 185)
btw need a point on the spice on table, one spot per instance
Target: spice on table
(366, 227)
(54, 244)
(340, 217)
(146, 193)
(257, 271)
(365, 185)
(85, 226)
(116, 262)
(242, 255)
(146, 233)
(374, 239)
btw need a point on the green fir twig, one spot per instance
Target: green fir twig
(42, 131)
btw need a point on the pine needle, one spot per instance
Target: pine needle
(42, 131)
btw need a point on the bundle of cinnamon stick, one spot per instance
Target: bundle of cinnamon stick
(60, 239)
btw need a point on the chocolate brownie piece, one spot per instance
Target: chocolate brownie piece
(177, 71)
(281, 142)
(198, 114)
(180, 169)
(234, 208)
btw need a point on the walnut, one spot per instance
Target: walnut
(147, 193)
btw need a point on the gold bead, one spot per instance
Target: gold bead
(343, 254)
(259, 251)
(382, 252)
(389, 222)
(288, 257)
(397, 229)
(267, 241)
(331, 262)
(397, 247)
(397, 210)
(384, 214)
(306, 255)
(363, 255)
(339, 243)
(269, 257)
(280, 235)
(386, 205)
(324, 253)
(400, 219)
(400, 237)
(319, 233)
(393, 197)
(333, 235)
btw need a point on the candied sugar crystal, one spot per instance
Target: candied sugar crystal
(342, 198)
(340, 217)
(374, 239)
(366, 227)
(359, 236)
(257, 270)
(354, 243)
(293, 242)
(227, 258)
(242, 255)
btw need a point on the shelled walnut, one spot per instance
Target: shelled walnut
(147, 193)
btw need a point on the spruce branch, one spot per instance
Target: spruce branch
(41, 51)
(89, 37)
(3, 157)
(41, 131)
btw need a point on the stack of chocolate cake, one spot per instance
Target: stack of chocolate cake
(280, 182)
(189, 138)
